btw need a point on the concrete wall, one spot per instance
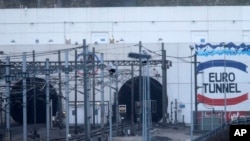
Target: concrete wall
(132, 24)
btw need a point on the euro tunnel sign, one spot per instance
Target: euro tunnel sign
(122, 108)
(239, 132)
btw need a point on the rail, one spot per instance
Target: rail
(95, 133)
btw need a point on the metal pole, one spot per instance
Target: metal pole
(191, 95)
(86, 92)
(149, 125)
(110, 109)
(164, 85)
(132, 99)
(195, 93)
(117, 99)
(34, 90)
(140, 84)
(60, 93)
(75, 91)
(24, 98)
(225, 94)
(102, 96)
(212, 119)
(67, 93)
(7, 94)
(145, 96)
(47, 100)
(93, 85)
(144, 107)
(175, 111)
(145, 111)
(51, 112)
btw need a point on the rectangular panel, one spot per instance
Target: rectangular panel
(99, 37)
(199, 37)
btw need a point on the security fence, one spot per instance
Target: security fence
(223, 129)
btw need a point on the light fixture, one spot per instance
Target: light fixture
(191, 47)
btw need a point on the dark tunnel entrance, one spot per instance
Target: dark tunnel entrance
(40, 91)
(155, 95)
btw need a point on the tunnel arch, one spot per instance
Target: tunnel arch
(124, 97)
(40, 89)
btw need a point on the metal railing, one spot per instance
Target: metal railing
(218, 130)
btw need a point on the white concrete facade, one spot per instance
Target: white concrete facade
(23, 30)
(132, 24)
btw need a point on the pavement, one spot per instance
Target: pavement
(163, 134)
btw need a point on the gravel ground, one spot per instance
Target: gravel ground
(163, 134)
(172, 133)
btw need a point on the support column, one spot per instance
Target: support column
(60, 93)
(117, 100)
(195, 92)
(140, 86)
(76, 92)
(34, 91)
(110, 108)
(8, 81)
(86, 92)
(67, 93)
(132, 99)
(164, 85)
(93, 84)
(47, 101)
(102, 96)
(24, 98)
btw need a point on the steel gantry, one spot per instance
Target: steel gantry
(13, 70)
(56, 66)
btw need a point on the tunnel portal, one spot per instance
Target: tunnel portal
(40, 91)
(155, 95)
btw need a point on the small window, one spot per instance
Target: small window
(100, 38)
(199, 37)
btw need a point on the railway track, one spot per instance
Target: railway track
(101, 133)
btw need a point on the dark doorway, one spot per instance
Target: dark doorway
(155, 95)
(39, 85)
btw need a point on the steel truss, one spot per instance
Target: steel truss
(39, 67)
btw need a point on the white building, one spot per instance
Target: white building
(116, 31)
